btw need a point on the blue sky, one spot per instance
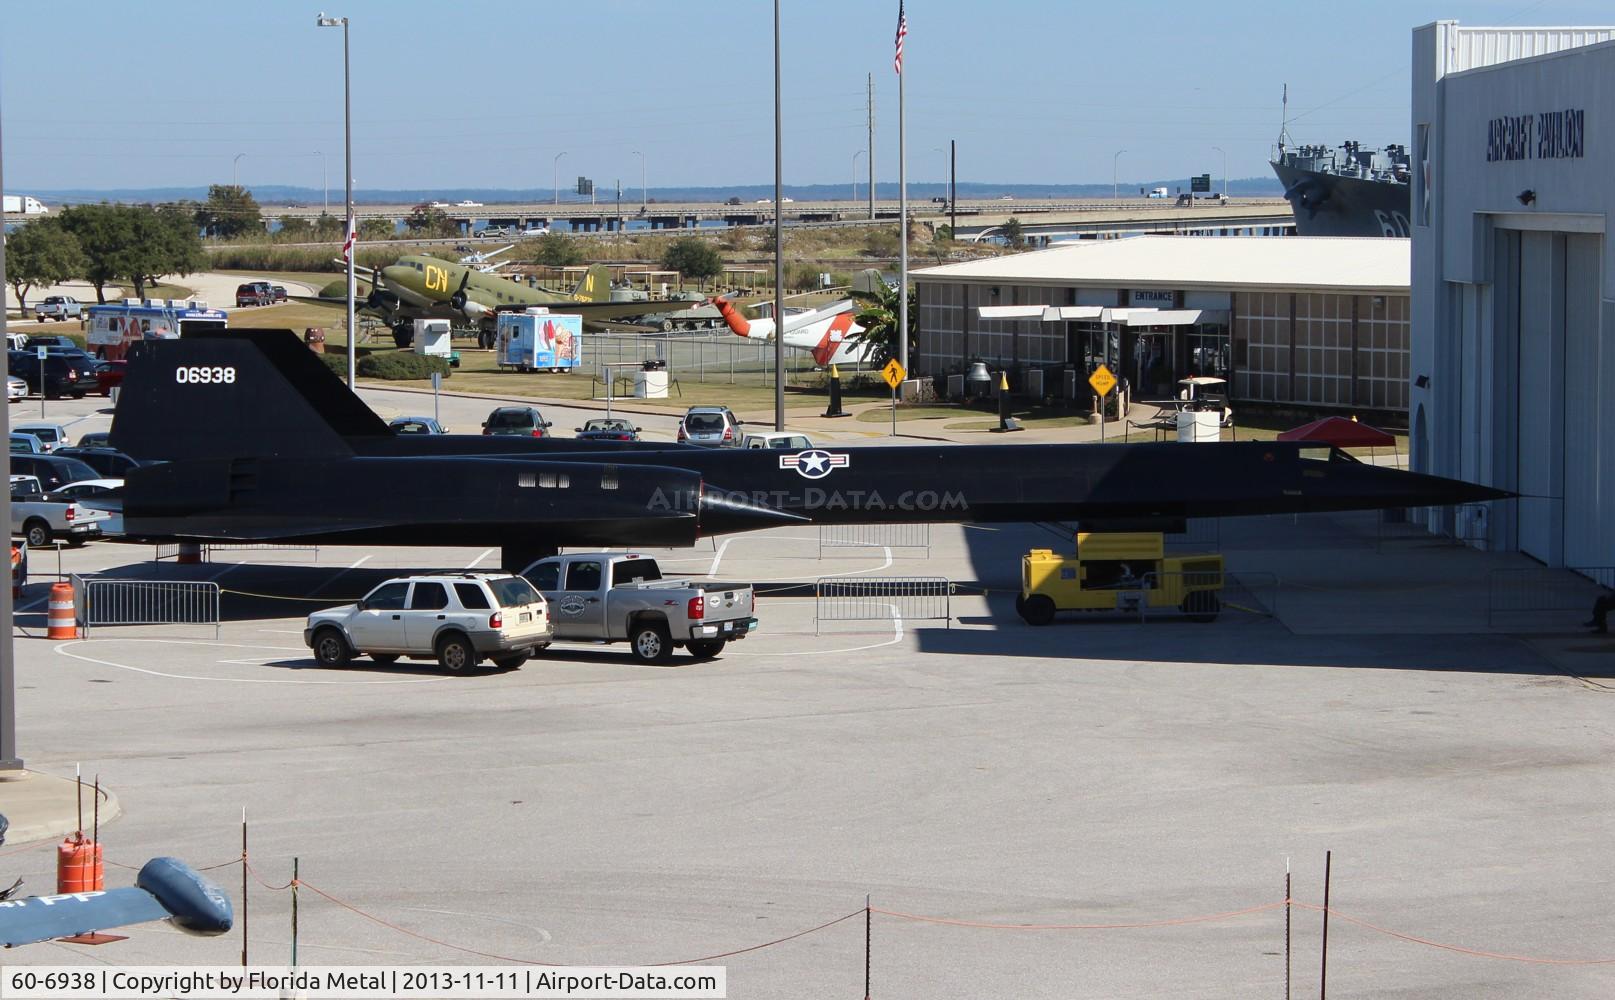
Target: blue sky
(470, 93)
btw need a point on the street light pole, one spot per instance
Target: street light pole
(556, 174)
(235, 170)
(1114, 160)
(855, 174)
(351, 250)
(325, 183)
(779, 242)
(1224, 172)
(644, 195)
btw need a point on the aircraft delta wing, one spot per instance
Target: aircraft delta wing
(255, 436)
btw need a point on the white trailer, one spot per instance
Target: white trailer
(22, 204)
(537, 340)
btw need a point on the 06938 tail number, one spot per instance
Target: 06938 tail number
(205, 375)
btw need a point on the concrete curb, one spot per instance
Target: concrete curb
(45, 807)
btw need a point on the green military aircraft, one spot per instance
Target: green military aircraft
(425, 287)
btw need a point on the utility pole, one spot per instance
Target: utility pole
(779, 242)
(871, 147)
(953, 186)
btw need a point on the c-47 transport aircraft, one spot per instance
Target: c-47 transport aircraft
(260, 442)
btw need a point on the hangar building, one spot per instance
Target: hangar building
(1315, 322)
(1513, 297)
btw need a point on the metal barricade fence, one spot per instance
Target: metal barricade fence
(1537, 598)
(845, 599)
(704, 356)
(104, 602)
(895, 537)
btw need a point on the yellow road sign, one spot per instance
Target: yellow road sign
(893, 373)
(1102, 380)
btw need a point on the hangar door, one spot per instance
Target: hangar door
(1561, 437)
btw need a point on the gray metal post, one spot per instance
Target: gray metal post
(953, 187)
(871, 147)
(779, 243)
(9, 761)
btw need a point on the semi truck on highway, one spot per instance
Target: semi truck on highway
(22, 204)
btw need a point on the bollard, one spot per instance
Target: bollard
(1006, 422)
(834, 409)
(190, 554)
(63, 624)
(79, 867)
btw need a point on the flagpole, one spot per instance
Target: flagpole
(902, 210)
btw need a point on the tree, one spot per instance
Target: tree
(375, 230)
(41, 253)
(425, 220)
(136, 243)
(557, 250)
(231, 211)
(295, 229)
(1013, 234)
(693, 258)
(327, 227)
(879, 318)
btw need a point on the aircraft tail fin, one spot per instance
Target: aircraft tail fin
(594, 286)
(235, 394)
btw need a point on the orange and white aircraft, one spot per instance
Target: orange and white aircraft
(830, 334)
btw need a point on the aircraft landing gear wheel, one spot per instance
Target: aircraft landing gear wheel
(1201, 606)
(1037, 610)
(454, 654)
(385, 659)
(667, 326)
(510, 662)
(651, 643)
(331, 649)
(706, 649)
(403, 336)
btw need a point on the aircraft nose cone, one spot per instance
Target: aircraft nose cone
(723, 511)
(393, 273)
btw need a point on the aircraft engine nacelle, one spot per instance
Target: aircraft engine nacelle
(472, 309)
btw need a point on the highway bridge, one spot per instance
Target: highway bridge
(976, 219)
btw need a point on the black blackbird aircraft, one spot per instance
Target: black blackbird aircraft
(260, 442)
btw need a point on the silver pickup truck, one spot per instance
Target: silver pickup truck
(42, 521)
(618, 597)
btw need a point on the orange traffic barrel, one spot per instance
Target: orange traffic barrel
(79, 867)
(60, 619)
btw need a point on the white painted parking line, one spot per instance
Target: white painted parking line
(67, 649)
(485, 554)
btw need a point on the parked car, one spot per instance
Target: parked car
(416, 425)
(55, 307)
(40, 519)
(64, 374)
(715, 426)
(52, 342)
(608, 429)
(523, 420)
(779, 440)
(621, 597)
(85, 493)
(279, 292)
(493, 232)
(52, 471)
(106, 461)
(16, 389)
(26, 444)
(95, 439)
(52, 436)
(457, 618)
(255, 293)
(109, 375)
(468, 203)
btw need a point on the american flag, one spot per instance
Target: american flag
(353, 235)
(902, 31)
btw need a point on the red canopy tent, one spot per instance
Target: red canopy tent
(1341, 433)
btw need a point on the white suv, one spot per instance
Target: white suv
(456, 618)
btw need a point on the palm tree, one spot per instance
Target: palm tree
(879, 318)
